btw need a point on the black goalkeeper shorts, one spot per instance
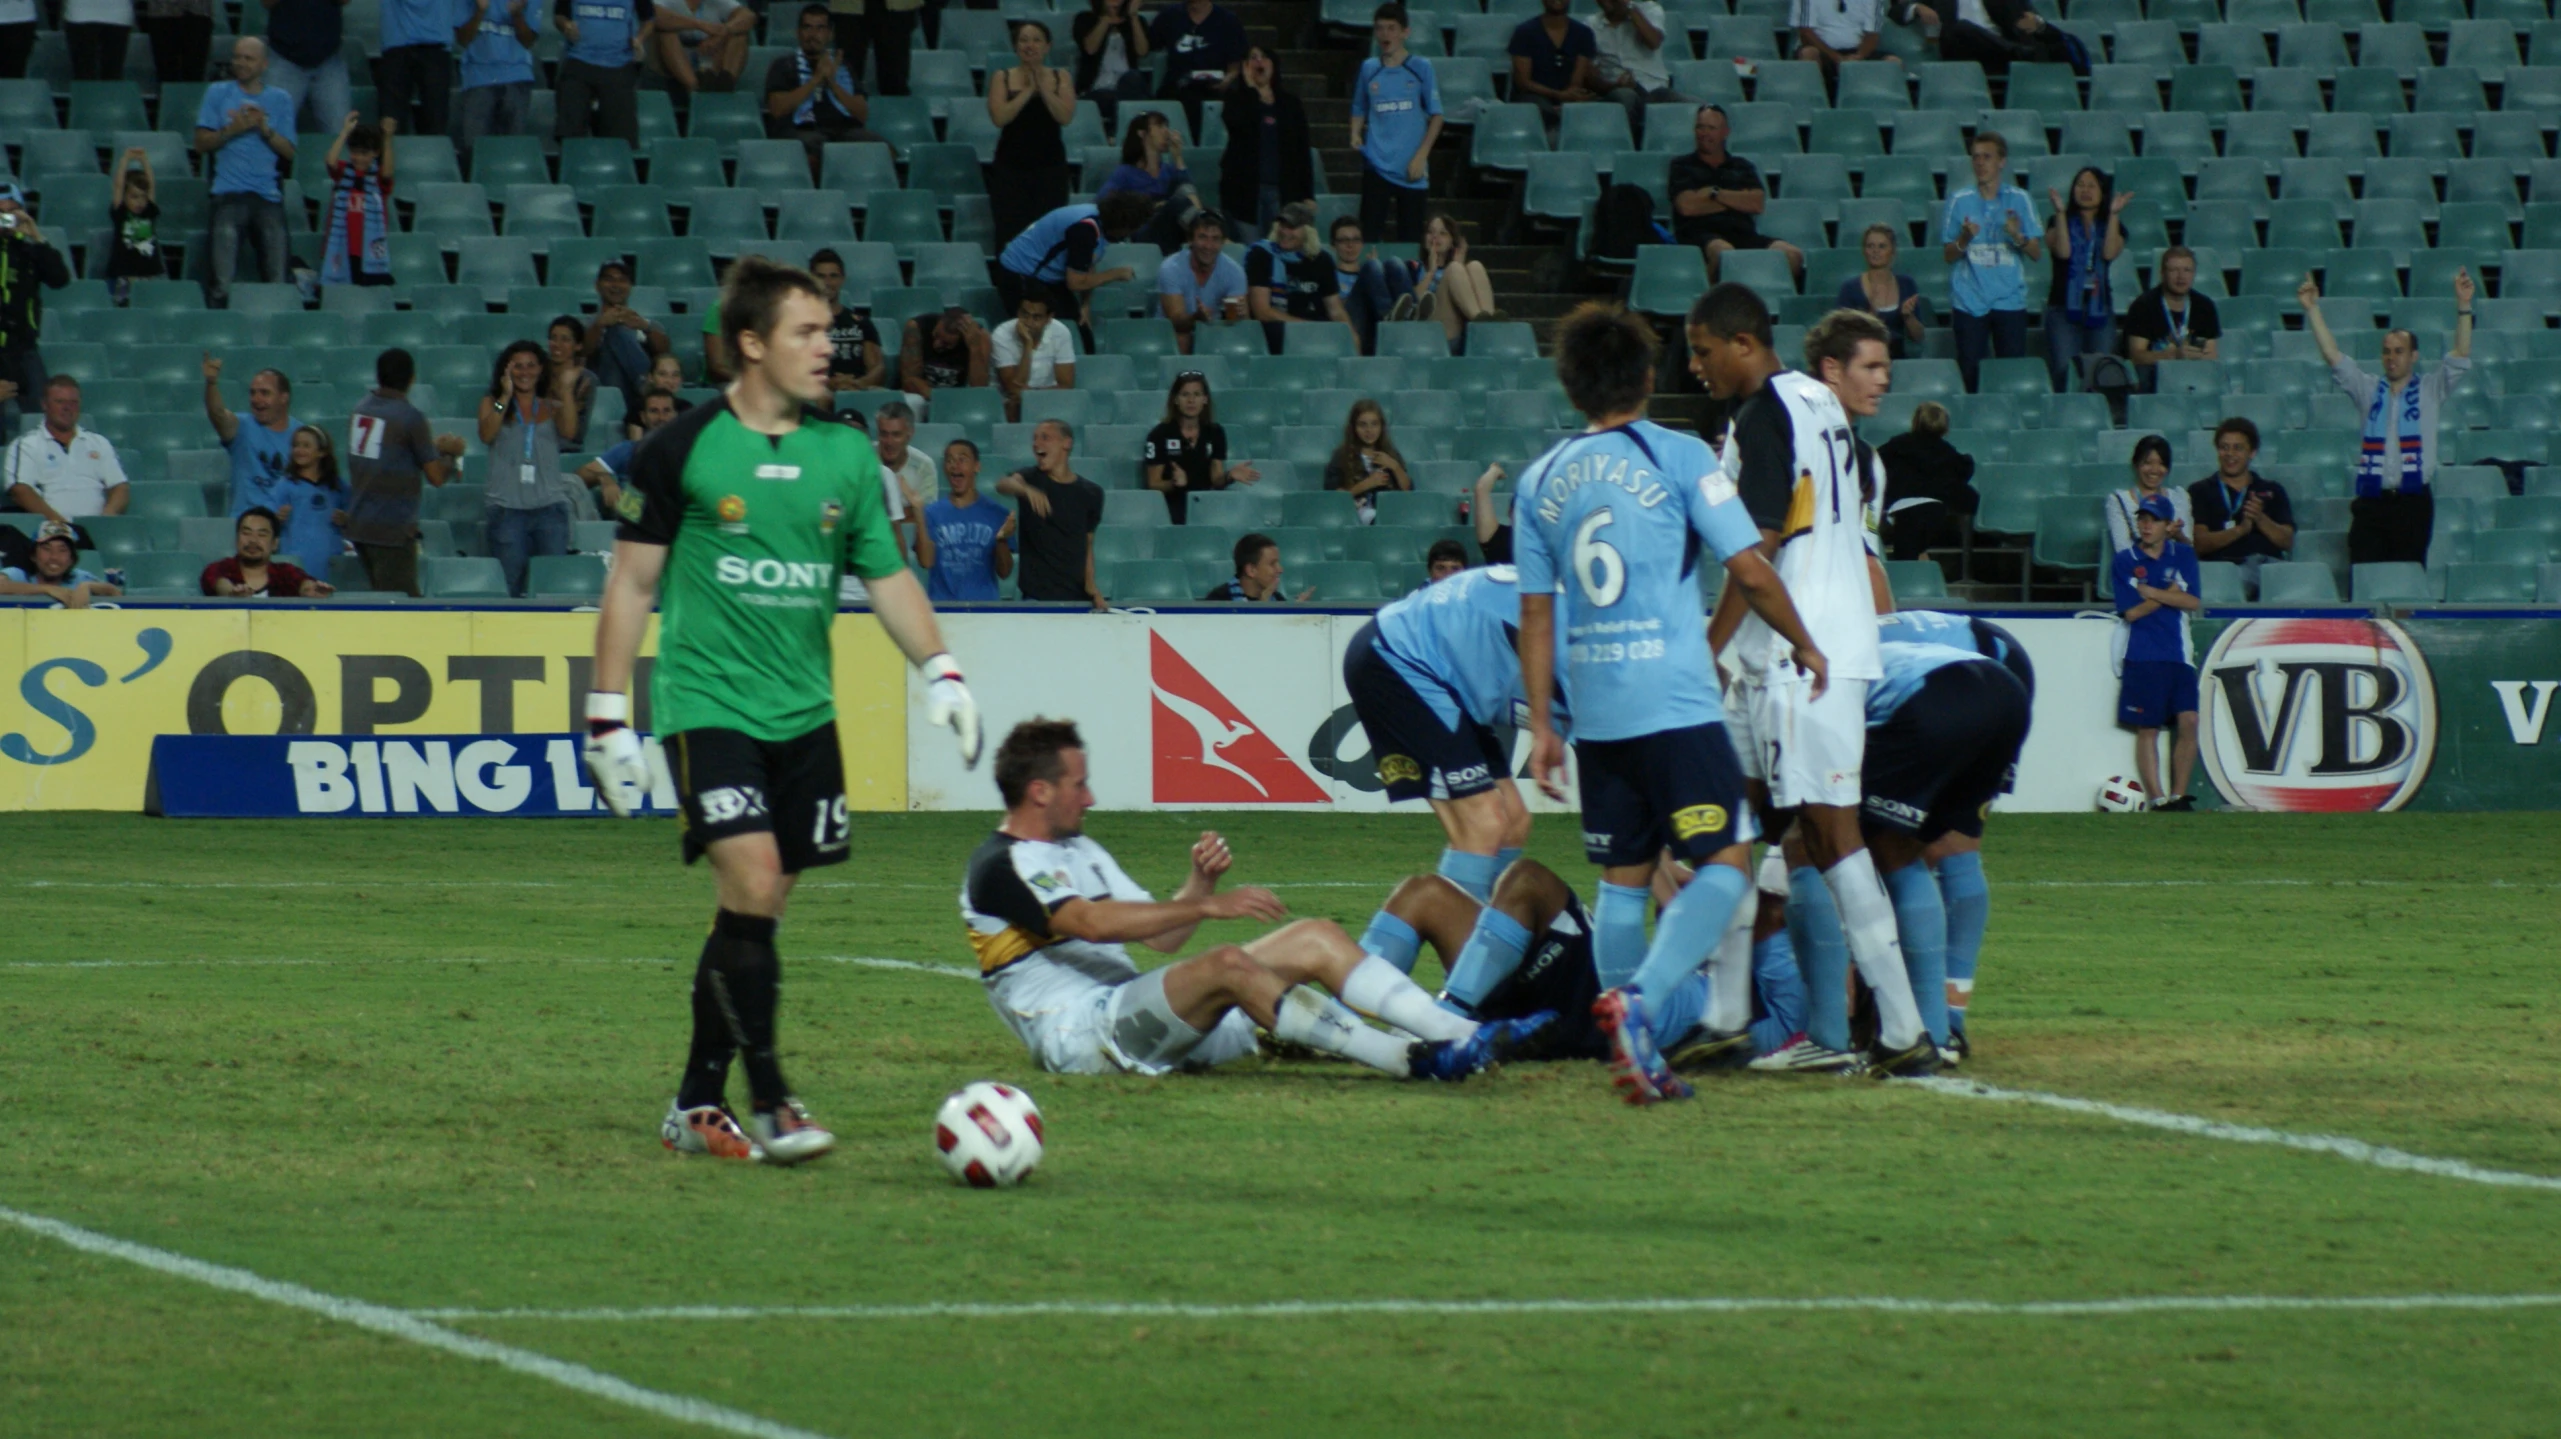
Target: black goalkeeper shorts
(730, 783)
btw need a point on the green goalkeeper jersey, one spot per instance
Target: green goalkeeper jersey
(759, 529)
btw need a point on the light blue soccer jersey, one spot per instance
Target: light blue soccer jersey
(1611, 523)
(1457, 642)
(1907, 667)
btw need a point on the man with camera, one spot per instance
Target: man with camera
(28, 264)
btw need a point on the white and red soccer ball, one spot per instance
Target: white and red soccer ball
(989, 1135)
(2121, 795)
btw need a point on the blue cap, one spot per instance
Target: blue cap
(2158, 507)
(10, 191)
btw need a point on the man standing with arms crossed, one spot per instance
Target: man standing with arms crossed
(749, 509)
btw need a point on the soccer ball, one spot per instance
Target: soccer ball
(2122, 796)
(989, 1135)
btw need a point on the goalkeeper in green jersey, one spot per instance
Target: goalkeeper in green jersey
(738, 520)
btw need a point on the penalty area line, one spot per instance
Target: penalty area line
(1462, 1308)
(411, 1327)
(2354, 1150)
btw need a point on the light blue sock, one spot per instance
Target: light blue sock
(1782, 992)
(1494, 949)
(1618, 932)
(1474, 873)
(1693, 924)
(1503, 857)
(1922, 921)
(1968, 900)
(1679, 1012)
(1393, 940)
(1822, 955)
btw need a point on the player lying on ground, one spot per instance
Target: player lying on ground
(748, 510)
(1050, 913)
(1528, 951)
(1436, 681)
(1813, 489)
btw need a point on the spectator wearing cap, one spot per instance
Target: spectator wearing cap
(2156, 591)
(55, 572)
(1444, 559)
(2242, 517)
(261, 446)
(59, 470)
(253, 572)
(1289, 279)
(1716, 193)
(29, 264)
(622, 344)
(245, 125)
(2394, 514)
(1198, 284)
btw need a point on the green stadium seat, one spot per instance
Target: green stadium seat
(165, 572)
(2220, 583)
(2451, 89)
(2433, 136)
(118, 535)
(2205, 89)
(1195, 544)
(1790, 82)
(1916, 579)
(1337, 581)
(2314, 47)
(453, 210)
(2515, 547)
(2240, 48)
(162, 499)
(772, 165)
(906, 219)
(1139, 581)
(2394, 582)
(565, 577)
(587, 162)
(727, 218)
(501, 160)
(727, 119)
(1323, 341)
(1594, 129)
(462, 577)
(2069, 533)
(2515, 133)
(2052, 89)
(1930, 379)
(1301, 546)
(1955, 85)
(1873, 87)
(2177, 135)
(2297, 583)
(2394, 225)
(2292, 224)
(2125, 89)
(1668, 278)
(1134, 509)
(2479, 583)
(1236, 510)
(549, 211)
(1505, 136)
(1116, 544)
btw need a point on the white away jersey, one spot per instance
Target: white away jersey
(1801, 471)
(1014, 886)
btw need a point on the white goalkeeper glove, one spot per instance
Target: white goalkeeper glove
(614, 755)
(948, 702)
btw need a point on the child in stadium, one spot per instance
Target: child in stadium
(358, 249)
(135, 224)
(2156, 584)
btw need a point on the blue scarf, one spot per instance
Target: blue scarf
(356, 188)
(2086, 300)
(2374, 457)
(807, 114)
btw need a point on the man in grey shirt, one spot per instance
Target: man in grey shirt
(2393, 513)
(389, 452)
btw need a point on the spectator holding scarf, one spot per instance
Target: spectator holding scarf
(2393, 513)
(358, 250)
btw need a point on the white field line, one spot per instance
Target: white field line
(401, 1324)
(2355, 1150)
(866, 961)
(1463, 1308)
(1368, 884)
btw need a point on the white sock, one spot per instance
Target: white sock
(1867, 916)
(1729, 972)
(1381, 991)
(1307, 1017)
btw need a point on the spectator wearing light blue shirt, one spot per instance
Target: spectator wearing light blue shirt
(497, 39)
(966, 540)
(1985, 233)
(414, 75)
(261, 446)
(1396, 117)
(246, 125)
(1198, 284)
(599, 81)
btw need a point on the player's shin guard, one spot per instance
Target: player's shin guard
(1304, 1017)
(1618, 932)
(1867, 917)
(1393, 940)
(1968, 900)
(1822, 956)
(1922, 922)
(1688, 935)
(1474, 873)
(746, 977)
(706, 1078)
(1377, 989)
(1782, 992)
(1493, 950)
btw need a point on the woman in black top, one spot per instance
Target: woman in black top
(1929, 485)
(1367, 460)
(1187, 451)
(1885, 292)
(1111, 41)
(1031, 104)
(1267, 164)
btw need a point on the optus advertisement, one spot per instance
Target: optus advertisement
(83, 693)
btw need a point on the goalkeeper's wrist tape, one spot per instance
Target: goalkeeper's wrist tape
(607, 711)
(940, 666)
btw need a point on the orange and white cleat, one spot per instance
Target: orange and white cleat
(706, 1129)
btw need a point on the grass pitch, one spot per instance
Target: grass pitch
(421, 1065)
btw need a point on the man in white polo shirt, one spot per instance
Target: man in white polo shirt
(59, 470)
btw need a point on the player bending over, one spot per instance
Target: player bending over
(1436, 681)
(1812, 488)
(1607, 529)
(741, 515)
(1050, 914)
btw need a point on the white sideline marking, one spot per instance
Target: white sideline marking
(1343, 1308)
(866, 961)
(918, 966)
(401, 1324)
(2356, 1150)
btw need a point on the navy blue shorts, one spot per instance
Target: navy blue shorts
(2153, 692)
(1682, 788)
(1418, 757)
(1936, 766)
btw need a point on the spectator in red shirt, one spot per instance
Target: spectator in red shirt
(251, 572)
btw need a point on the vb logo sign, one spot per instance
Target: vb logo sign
(2316, 715)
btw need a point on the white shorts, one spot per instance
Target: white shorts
(1742, 699)
(1810, 749)
(1130, 1029)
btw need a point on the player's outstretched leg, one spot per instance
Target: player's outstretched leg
(1270, 980)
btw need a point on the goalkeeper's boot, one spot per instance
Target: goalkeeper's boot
(1637, 1070)
(1801, 1055)
(1705, 1049)
(787, 1134)
(705, 1129)
(1919, 1061)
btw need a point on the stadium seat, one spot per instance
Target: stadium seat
(2069, 532)
(570, 577)
(1957, 85)
(2297, 583)
(1335, 581)
(148, 499)
(2392, 582)
(1916, 579)
(2219, 583)
(1668, 278)
(165, 572)
(1148, 582)
(2478, 583)
(462, 577)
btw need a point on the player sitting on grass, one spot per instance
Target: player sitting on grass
(1050, 914)
(1528, 951)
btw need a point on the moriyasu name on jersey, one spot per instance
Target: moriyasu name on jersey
(1601, 469)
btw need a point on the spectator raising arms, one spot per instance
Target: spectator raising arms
(55, 572)
(2394, 513)
(1929, 486)
(524, 417)
(1448, 286)
(2086, 235)
(1031, 104)
(1268, 162)
(1198, 285)
(134, 227)
(259, 448)
(1187, 451)
(1058, 512)
(314, 502)
(357, 248)
(59, 470)
(1367, 461)
(1111, 40)
(946, 350)
(1396, 119)
(1893, 297)
(966, 542)
(253, 572)
(2151, 462)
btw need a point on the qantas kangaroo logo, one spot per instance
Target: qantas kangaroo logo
(1207, 751)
